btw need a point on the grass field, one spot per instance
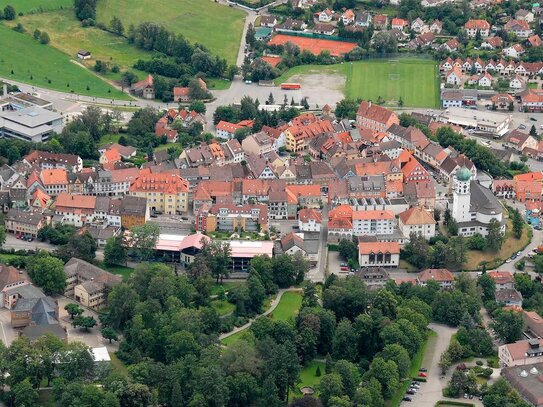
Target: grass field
(122, 271)
(68, 36)
(288, 307)
(216, 26)
(308, 376)
(415, 81)
(223, 307)
(44, 66)
(29, 6)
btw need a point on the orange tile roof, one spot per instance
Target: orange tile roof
(112, 155)
(501, 277)
(530, 176)
(477, 24)
(54, 177)
(374, 112)
(394, 186)
(166, 183)
(368, 215)
(340, 223)
(65, 200)
(439, 275)
(417, 216)
(341, 211)
(378, 247)
(307, 214)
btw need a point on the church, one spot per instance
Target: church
(474, 206)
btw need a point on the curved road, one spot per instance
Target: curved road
(274, 305)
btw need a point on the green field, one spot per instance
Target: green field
(415, 81)
(288, 306)
(68, 36)
(30, 6)
(216, 26)
(44, 66)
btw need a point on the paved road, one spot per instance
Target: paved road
(16, 244)
(318, 274)
(273, 305)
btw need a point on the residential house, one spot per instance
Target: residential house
(293, 243)
(362, 19)
(55, 181)
(533, 322)
(233, 152)
(417, 220)
(454, 77)
(10, 278)
(436, 27)
(125, 152)
(492, 43)
(524, 15)
(503, 280)
(348, 17)
(517, 83)
(309, 220)
(518, 140)
(324, 29)
(375, 117)
(513, 51)
(226, 130)
(326, 15)
(518, 27)
(380, 21)
(473, 27)
(373, 277)
(378, 254)
(451, 45)
(268, 21)
(25, 223)
(47, 161)
(76, 210)
(258, 144)
(508, 296)
(534, 41)
(418, 26)
(231, 218)
(443, 277)
(145, 88)
(399, 24)
(166, 193)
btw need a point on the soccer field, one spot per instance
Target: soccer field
(415, 81)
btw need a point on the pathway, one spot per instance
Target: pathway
(273, 305)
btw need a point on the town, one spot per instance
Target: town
(281, 203)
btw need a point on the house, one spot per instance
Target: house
(524, 15)
(513, 51)
(55, 181)
(485, 80)
(531, 100)
(133, 211)
(181, 94)
(34, 311)
(375, 117)
(326, 15)
(380, 21)
(362, 19)
(231, 218)
(293, 243)
(378, 254)
(309, 220)
(533, 322)
(436, 27)
(534, 41)
(521, 353)
(492, 43)
(166, 193)
(453, 77)
(125, 152)
(443, 277)
(324, 29)
(9, 280)
(418, 25)
(373, 277)
(451, 45)
(503, 279)
(417, 220)
(76, 210)
(473, 27)
(226, 130)
(517, 83)
(519, 141)
(291, 25)
(509, 296)
(518, 27)
(144, 88)
(25, 223)
(83, 54)
(399, 24)
(423, 40)
(451, 98)
(268, 21)
(47, 161)
(347, 17)
(109, 157)
(88, 284)
(233, 152)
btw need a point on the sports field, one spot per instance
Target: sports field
(44, 66)
(68, 36)
(415, 81)
(216, 26)
(314, 45)
(28, 6)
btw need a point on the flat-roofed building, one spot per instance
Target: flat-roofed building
(30, 124)
(486, 122)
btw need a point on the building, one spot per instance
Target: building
(417, 220)
(309, 220)
(10, 279)
(134, 211)
(233, 219)
(373, 222)
(473, 27)
(443, 277)
(258, 144)
(374, 117)
(76, 210)
(533, 322)
(509, 296)
(378, 254)
(34, 311)
(144, 88)
(47, 161)
(88, 284)
(474, 206)
(55, 181)
(527, 381)
(243, 251)
(521, 353)
(226, 130)
(493, 123)
(503, 280)
(25, 223)
(165, 193)
(374, 277)
(293, 243)
(83, 54)
(30, 124)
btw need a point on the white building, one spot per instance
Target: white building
(30, 124)
(417, 220)
(371, 223)
(474, 206)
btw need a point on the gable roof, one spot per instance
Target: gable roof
(416, 216)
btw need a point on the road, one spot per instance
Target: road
(273, 305)
(318, 274)
(16, 244)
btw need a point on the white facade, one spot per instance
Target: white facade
(372, 227)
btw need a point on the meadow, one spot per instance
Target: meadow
(68, 36)
(216, 26)
(44, 66)
(415, 81)
(33, 6)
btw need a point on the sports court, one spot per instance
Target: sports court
(315, 45)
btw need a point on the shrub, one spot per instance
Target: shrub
(479, 363)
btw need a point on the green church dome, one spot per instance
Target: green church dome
(463, 174)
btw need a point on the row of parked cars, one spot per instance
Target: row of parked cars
(415, 386)
(25, 238)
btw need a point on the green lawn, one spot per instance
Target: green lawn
(218, 83)
(122, 271)
(44, 66)
(118, 365)
(415, 81)
(68, 36)
(288, 306)
(109, 138)
(216, 26)
(223, 307)
(308, 376)
(234, 338)
(30, 6)
(215, 288)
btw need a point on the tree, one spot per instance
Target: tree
(344, 343)
(488, 286)
(348, 249)
(2, 235)
(330, 386)
(386, 372)
(82, 246)
(461, 382)
(250, 36)
(350, 377)
(508, 325)
(47, 272)
(494, 238)
(73, 310)
(85, 322)
(9, 13)
(44, 38)
(109, 334)
(217, 257)
(128, 78)
(533, 131)
(143, 240)
(37, 34)
(24, 394)
(122, 301)
(416, 250)
(385, 42)
(399, 355)
(116, 26)
(198, 106)
(310, 298)
(115, 252)
(518, 223)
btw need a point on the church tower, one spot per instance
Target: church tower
(461, 196)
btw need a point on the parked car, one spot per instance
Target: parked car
(522, 127)
(533, 119)
(422, 374)
(412, 392)
(344, 268)
(407, 398)
(423, 369)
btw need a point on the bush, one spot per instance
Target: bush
(479, 363)
(486, 373)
